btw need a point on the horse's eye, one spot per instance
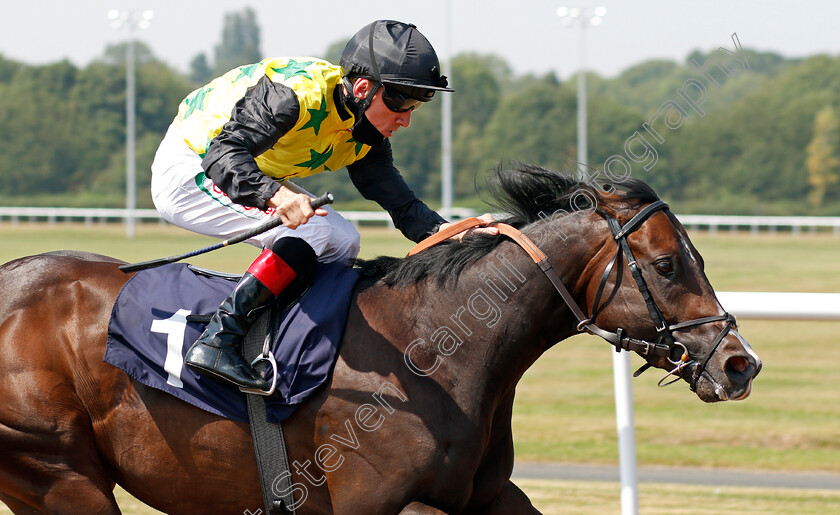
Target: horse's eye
(663, 267)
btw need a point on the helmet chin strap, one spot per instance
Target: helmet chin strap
(365, 102)
(359, 106)
(363, 131)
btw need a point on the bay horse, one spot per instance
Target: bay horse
(416, 417)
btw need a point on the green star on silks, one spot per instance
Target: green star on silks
(293, 68)
(197, 101)
(247, 71)
(318, 159)
(358, 144)
(317, 116)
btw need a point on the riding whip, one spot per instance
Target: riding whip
(326, 198)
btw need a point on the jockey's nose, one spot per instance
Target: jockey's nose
(404, 119)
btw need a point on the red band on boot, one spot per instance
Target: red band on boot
(272, 271)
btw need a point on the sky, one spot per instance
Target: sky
(528, 34)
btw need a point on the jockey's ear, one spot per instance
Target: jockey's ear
(362, 87)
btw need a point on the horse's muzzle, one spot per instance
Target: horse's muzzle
(730, 376)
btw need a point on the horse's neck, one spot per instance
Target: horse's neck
(502, 315)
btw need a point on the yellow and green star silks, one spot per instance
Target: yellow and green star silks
(319, 141)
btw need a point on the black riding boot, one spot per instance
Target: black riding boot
(278, 272)
(218, 352)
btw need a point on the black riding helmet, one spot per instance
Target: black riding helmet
(395, 54)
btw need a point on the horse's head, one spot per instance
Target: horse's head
(635, 278)
(648, 287)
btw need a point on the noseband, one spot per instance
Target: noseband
(665, 345)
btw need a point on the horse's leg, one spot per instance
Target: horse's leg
(50, 472)
(418, 508)
(493, 491)
(510, 500)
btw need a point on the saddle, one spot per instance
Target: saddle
(159, 312)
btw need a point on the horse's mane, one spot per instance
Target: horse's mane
(525, 194)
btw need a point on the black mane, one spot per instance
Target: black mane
(524, 193)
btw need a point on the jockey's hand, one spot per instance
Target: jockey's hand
(292, 208)
(487, 218)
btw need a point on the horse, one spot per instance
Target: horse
(416, 416)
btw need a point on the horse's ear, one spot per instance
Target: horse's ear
(607, 199)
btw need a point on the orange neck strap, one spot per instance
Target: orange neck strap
(469, 223)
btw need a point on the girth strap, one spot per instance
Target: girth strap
(269, 442)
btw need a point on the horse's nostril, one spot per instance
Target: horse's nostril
(738, 363)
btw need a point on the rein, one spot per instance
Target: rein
(664, 346)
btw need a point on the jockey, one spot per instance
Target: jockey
(223, 168)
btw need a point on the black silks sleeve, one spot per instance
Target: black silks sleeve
(377, 179)
(261, 117)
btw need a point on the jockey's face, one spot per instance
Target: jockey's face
(387, 122)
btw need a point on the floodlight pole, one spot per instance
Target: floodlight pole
(583, 151)
(130, 21)
(582, 18)
(446, 126)
(130, 161)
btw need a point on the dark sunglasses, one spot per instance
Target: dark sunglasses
(400, 100)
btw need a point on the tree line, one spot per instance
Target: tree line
(752, 134)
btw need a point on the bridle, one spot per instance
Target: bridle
(665, 345)
(666, 341)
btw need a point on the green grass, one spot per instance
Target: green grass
(564, 410)
(565, 407)
(597, 498)
(767, 262)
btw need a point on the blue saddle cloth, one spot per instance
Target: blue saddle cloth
(149, 334)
